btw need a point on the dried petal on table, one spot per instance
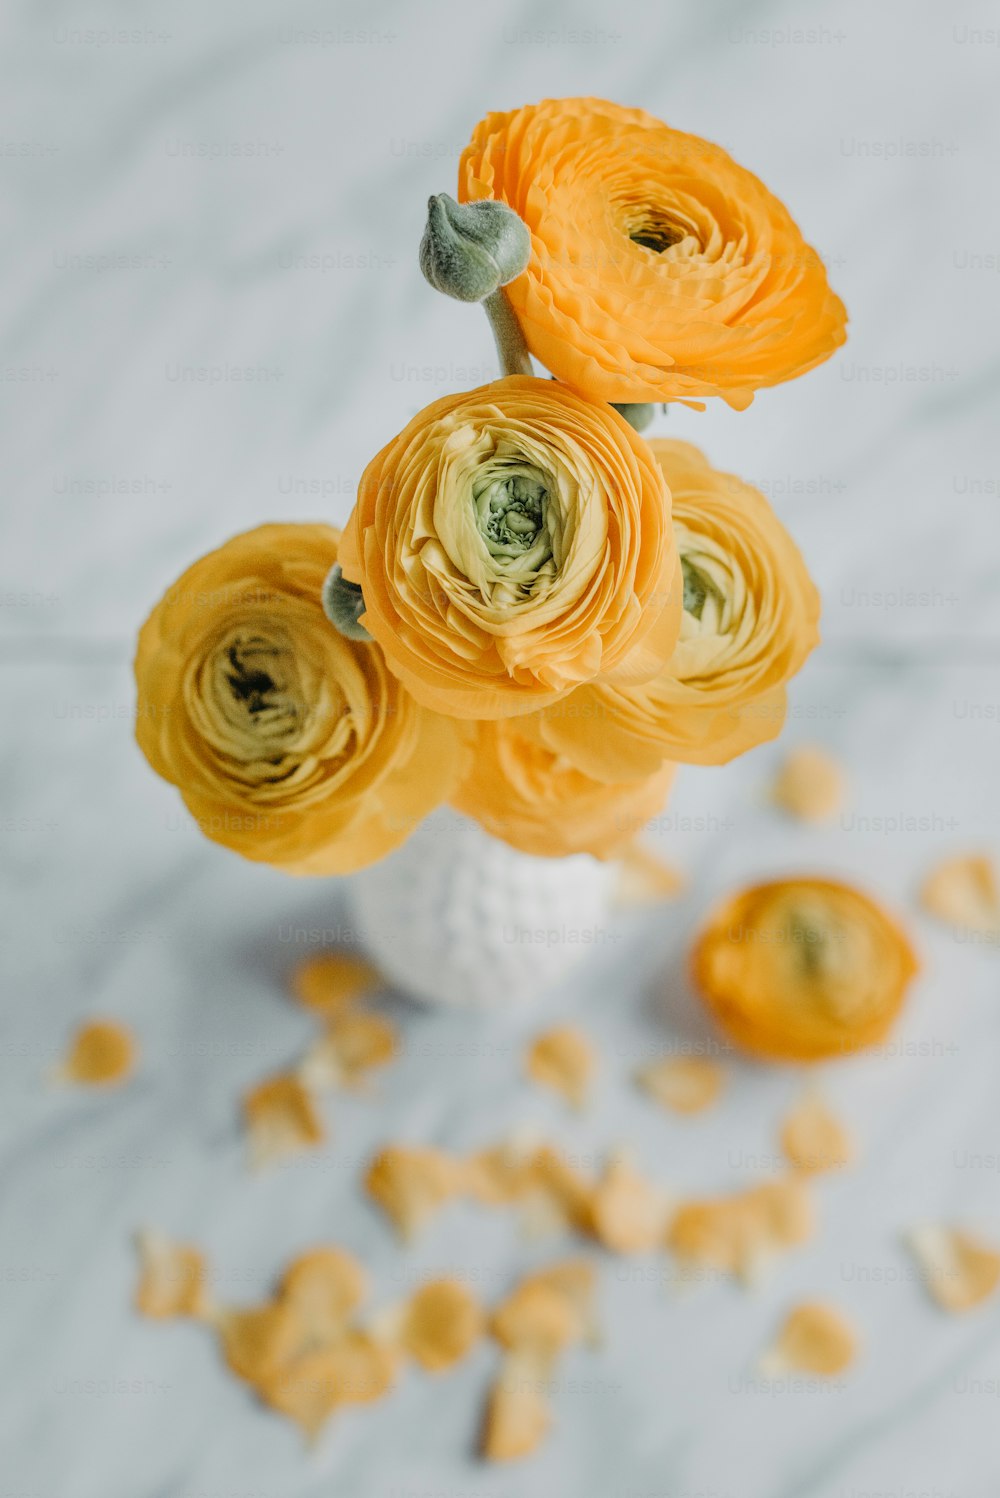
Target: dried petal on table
(959, 1271)
(351, 1046)
(628, 1213)
(517, 1414)
(325, 1287)
(563, 1059)
(259, 1341)
(568, 1194)
(684, 1084)
(331, 981)
(356, 1369)
(172, 1277)
(738, 1234)
(281, 1120)
(813, 1138)
(505, 1172)
(537, 1315)
(815, 1338)
(102, 1053)
(440, 1324)
(412, 1184)
(810, 785)
(964, 891)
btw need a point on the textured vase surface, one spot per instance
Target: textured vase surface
(456, 917)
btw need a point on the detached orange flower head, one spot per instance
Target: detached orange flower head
(660, 270)
(535, 800)
(289, 743)
(751, 618)
(512, 542)
(803, 969)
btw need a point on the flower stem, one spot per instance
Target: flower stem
(511, 347)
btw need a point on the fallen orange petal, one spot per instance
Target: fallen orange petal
(517, 1415)
(959, 1271)
(281, 1120)
(815, 1339)
(355, 1370)
(964, 891)
(814, 1139)
(331, 981)
(628, 1213)
(172, 1277)
(737, 1234)
(810, 785)
(324, 1287)
(102, 1053)
(410, 1185)
(441, 1323)
(563, 1059)
(352, 1045)
(258, 1341)
(684, 1084)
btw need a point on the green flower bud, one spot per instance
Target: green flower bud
(470, 250)
(638, 414)
(343, 603)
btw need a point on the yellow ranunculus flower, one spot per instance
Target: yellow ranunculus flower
(750, 620)
(660, 269)
(535, 800)
(289, 744)
(512, 542)
(803, 969)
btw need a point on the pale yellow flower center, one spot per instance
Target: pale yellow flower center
(506, 512)
(827, 952)
(720, 613)
(273, 718)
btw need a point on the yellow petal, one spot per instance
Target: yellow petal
(332, 981)
(563, 1059)
(813, 1138)
(281, 1120)
(102, 1053)
(964, 892)
(172, 1277)
(959, 1271)
(628, 1213)
(517, 1415)
(810, 785)
(441, 1323)
(324, 1286)
(684, 1084)
(815, 1339)
(411, 1185)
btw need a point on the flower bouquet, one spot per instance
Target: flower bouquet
(478, 692)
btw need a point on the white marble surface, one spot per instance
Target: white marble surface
(879, 128)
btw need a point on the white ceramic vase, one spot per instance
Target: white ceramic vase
(456, 917)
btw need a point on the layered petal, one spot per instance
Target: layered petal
(750, 619)
(289, 743)
(660, 269)
(512, 542)
(523, 793)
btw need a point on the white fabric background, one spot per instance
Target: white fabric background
(878, 125)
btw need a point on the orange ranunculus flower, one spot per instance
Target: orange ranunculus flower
(289, 743)
(512, 542)
(533, 799)
(660, 270)
(803, 969)
(750, 620)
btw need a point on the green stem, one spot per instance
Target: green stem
(511, 347)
